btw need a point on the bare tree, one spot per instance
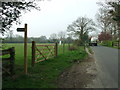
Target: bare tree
(61, 35)
(53, 37)
(110, 16)
(81, 27)
(103, 19)
(115, 12)
(10, 35)
(11, 11)
(43, 39)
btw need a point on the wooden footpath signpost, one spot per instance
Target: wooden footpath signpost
(25, 46)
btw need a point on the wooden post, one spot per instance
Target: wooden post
(68, 45)
(63, 46)
(112, 44)
(118, 44)
(84, 46)
(33, 53)
(25, 49)
(12, 59)
(56, 49)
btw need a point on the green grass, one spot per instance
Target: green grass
(43, 74)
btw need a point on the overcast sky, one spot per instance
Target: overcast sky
(55, 16)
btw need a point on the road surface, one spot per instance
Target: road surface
(107, 61)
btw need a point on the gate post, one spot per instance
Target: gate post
(33, 53)
(56, 49)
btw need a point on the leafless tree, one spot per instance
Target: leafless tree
(103, 19)
(53, 37)
(110, 16)
(10, 35)
(61, 35)
(11, 12)
(81, 27)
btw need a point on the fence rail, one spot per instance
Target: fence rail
(46, 45)
(11, 59)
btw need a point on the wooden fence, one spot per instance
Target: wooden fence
(10, 67)
(43, 52)
(117, 44)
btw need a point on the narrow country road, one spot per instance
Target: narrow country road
(107, 61)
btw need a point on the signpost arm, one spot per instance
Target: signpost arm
(25, 50)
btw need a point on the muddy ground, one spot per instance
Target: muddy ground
(80, 75)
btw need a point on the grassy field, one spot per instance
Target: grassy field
(43, 74)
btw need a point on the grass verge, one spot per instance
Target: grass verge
(109, 44)
(43, 74)
(90, 50)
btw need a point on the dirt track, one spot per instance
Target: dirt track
(80, 75)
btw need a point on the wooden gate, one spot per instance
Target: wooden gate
(43, 52)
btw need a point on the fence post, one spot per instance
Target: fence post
(12, 59)
(68, 45)
(118, 44)
(56, 49)
(63, 46)
(112, 44)
(84, 46)
(33, 53)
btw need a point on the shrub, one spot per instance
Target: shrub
(104, 36)
(72, 48)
